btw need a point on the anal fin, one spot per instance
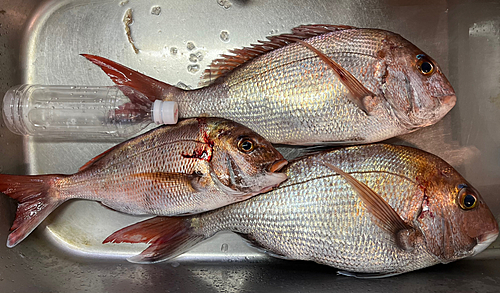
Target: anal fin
(168, 237)
(95, 159)
(254, 244)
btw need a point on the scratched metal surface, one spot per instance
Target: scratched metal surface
(40, 42)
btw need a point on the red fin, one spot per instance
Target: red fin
(375, 204)
(168, 237)
(35, 202)
(222, 66)
(357, 90)
(95, 159)
(122, 75)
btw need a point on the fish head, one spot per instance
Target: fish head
(454, 219)
(413, 83)
(244, 161)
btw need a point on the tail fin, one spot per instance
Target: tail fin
(122, 75)
(36, 202)
(168, 237)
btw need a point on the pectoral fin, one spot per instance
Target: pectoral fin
(375, 204)
(357, 90)
(174, 182)
(167, 238)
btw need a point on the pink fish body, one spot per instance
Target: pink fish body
(194, 166)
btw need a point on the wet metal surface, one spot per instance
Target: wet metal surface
(40, 42)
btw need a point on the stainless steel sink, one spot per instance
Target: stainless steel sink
(40, 42)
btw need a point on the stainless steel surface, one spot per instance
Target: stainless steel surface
(40, 42)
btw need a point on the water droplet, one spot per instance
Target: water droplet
(224, 247)
(224, 36)
(273, 32)
(156, 10)
(199, 55)
(193, 58)
(123, 3)
(175, 264)
(190, 46)
(183, 86)
(225, 3)
(193, 68)
(173, 50)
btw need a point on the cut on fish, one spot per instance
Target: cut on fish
(197, 165)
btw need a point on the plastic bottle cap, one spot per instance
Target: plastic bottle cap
(165, 112)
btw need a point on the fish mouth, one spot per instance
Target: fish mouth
(276, 166)
(449, 100)
(430, 116)
(483, 241)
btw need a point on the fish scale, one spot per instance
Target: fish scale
(197, 165)
(315, 215)
(299, 103)
(319, 214)
(320, 84)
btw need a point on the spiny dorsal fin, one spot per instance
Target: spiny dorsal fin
(222, 66)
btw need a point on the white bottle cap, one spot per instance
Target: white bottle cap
(165, 112)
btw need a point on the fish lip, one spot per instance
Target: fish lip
(483, 241)
(449, 100)
(276, 166)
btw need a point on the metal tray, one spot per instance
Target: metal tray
(40, 42)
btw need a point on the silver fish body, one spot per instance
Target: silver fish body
(316, 214)
(296, 98)
(286, 92)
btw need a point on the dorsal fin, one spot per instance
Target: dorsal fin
(222, 66)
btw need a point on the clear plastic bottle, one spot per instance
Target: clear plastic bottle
(82, 112)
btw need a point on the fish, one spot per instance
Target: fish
(370, 211)
(198, 165)
(320, 84)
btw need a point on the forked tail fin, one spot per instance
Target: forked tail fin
(35, 202)
(122, 75)
(168, 237)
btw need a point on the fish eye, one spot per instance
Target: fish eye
(467, 200)
(246, 145)
(424, 65)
